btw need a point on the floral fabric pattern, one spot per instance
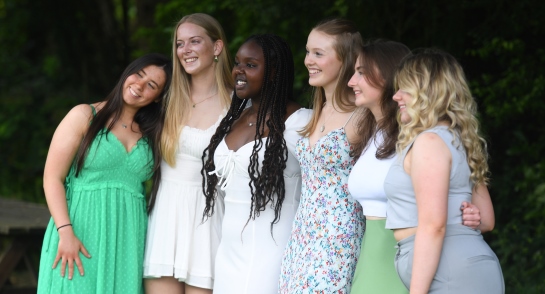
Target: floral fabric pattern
(325, 241)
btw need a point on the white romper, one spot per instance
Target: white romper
(178, 244)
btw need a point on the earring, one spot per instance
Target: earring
(215, 58)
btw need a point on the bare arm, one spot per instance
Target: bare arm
(430, 164)
(62, 150)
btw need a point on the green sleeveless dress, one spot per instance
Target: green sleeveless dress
(107, 208)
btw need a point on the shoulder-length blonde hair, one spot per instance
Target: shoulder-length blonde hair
(347, 40)
(178, 102)
(438, 85)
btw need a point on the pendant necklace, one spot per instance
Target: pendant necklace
(250, 124)
(322, 128)
(124, 125)
(194, 104)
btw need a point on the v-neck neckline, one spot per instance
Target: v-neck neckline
(127, 152)
(313, 146)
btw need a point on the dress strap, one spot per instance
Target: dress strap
(94, 110)
(349, 118)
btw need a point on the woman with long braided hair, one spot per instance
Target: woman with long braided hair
(251, 157)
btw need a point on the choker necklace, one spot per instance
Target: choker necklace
(195, 104)
(322, 128)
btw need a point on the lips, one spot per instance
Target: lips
(133, 92)
(240, 84)
(190, 60)
(314, 71)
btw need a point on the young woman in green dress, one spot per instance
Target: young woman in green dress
(99, 158)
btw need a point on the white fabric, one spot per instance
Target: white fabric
(249, 259)
(366, 181)
(177, 243)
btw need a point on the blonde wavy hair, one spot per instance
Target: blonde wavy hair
(347, 40)
(438, 85)
(178, 102)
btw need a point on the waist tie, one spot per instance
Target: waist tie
(225, 172)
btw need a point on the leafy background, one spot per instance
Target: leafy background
(56, 54)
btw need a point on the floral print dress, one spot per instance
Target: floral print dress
(325, 240)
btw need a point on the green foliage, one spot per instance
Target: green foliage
(57, 55)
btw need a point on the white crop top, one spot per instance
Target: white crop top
(366, 181)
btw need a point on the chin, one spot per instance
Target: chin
(314, 83)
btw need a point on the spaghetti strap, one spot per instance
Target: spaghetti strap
(349, 119)
(94, 110)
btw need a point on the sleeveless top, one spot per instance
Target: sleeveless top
(401, 208)
(107, 207)
(366, 181)
(324, 245)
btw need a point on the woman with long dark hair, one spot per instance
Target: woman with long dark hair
(251, 157)
(100, 156)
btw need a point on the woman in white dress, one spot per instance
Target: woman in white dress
(180, 248)
(251, 156)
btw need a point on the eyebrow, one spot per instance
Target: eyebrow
(315, 48)
(247, 58)
(179, 40)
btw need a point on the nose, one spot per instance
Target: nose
(397, 96)
(308, 59)
(237, 69)
(186, 48)
(140, 84)
(352, 82)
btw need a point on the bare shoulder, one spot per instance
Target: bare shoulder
(78, 118)
(430, 144)
(81, 112)
(351, 127)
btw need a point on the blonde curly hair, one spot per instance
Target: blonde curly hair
(438, 85)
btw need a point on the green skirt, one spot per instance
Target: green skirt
(375, 272)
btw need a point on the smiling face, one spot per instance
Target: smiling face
(366, 94)
(403, 99)
(195, 49)
(143, 87)
(322, 61)
(249, 70)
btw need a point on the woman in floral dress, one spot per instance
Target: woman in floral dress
(324, 245)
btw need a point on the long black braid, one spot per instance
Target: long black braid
(277, 89)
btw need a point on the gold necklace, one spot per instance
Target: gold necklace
(194, 104)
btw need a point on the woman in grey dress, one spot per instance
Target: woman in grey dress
(441, 161)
